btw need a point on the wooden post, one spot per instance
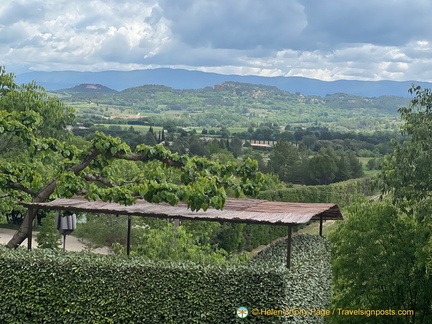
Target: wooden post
(176, 223)
(128, 236)
(321, 225)
(288, 265)
(64, 242)
(30, 230)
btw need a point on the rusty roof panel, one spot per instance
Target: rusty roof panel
(252, 211)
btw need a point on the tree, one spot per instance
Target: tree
(88, 171)
(379, 263)
(229, 237)
(196, 146)
(382, 252)
(355, 165)
(203, 182)
(407, 173)
(348, 167)
(149, 139)
(235, 146)
(322, 167)
(285, 161)
(255, 155)
(344, 171)
(309, 141)
(30, 104)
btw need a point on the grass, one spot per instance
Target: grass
(364, 161)
(371, 172)
(313, 229)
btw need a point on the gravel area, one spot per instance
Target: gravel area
(72, 243)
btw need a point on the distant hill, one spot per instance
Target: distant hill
(236, 104)
(89, 88)
(184, 79)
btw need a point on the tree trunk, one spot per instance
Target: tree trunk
(23, 231)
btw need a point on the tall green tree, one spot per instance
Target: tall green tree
(149, 139)
(379, 263)
(348, 167)
(235, 146)
(196, 146)
(286, 161)
(407, 173)
(323, 167)
(382, 252)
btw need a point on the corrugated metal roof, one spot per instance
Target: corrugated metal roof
(251, 211)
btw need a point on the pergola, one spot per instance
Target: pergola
(249, 211)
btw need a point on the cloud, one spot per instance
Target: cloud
(15, 11)
(82, 32)
(332, 39)
(13, 34)
(240, 24)
(384, 22)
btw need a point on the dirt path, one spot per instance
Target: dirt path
(72, 243)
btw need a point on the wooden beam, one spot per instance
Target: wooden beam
(288, 265)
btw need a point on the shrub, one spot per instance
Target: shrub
(45, 286)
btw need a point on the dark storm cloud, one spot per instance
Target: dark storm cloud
(240, 24)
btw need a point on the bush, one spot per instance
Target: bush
(48, 236)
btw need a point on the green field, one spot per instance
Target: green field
(364, 161)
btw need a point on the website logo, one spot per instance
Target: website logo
(242, 312)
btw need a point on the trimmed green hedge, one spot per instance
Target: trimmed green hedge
(43, 286)
(341, 193)
(309, 279)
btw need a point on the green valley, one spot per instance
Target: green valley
(234, 104)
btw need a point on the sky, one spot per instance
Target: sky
(321, 39)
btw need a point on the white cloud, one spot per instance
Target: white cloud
(329, 40)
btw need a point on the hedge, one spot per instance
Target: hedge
(43, 286)
(309, 279)
(341, 193)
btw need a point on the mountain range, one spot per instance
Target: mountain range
(185, 79)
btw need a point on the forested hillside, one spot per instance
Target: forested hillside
(234, 104)
(185, 79)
